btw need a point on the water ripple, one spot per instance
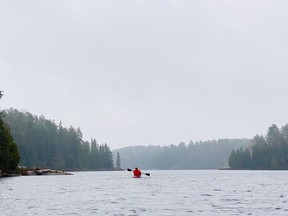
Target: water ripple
(207, 192)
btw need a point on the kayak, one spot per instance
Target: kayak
(136, 176)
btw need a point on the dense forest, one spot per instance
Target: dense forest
(212, 154)
(9, 154)
(43, 143)
(270, 152)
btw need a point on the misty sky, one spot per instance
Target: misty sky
(140, 72)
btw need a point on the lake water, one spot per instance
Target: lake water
(193, 192)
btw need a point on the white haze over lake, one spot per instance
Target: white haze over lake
(148, 72)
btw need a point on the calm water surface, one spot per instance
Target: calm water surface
(206, 192)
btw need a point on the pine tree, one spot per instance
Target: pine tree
(118, 162)
(9, 155)
(107, 157)
(94, 155)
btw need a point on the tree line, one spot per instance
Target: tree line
(43, 143)
(269, 152)
(211, 154)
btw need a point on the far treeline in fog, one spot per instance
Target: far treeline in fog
(212, 154)
(43, 143)
(269, 152)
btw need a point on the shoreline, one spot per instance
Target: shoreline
(45, 171)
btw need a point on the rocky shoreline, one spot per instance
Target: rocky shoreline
(32, 172)
(37, 171)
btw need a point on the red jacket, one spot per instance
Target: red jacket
(137, 172)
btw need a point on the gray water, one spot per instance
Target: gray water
(196, 192)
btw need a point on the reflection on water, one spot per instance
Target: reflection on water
(207, 192)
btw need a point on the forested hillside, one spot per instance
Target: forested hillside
(270, 152)
(43, 143)
(200, 155)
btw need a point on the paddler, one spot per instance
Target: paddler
(137, 173)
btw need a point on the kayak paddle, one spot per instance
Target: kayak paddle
(148, 174)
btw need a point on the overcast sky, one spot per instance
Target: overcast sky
(141, 72)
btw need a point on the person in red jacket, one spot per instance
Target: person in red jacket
(137, 173)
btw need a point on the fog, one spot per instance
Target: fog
(147, 72)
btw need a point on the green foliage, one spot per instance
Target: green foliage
(42, 143)
(106, 156)
(118, 161)
(241, 159)
(9, 155)
(270, 152)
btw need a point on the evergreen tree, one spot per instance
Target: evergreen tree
(9, 155)
(240, 159)
(118, 161)
(284, 132)
(275, 141)
(94, 156)
(107, 157)
(247, 160)
(261, 155)
(233, 160)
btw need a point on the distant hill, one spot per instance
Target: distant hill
(212, 154)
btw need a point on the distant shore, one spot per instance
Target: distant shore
(268, 169)
(87, 170)
(44, 171)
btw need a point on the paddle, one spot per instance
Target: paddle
(148, 174)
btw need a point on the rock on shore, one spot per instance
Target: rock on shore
(38, 171)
